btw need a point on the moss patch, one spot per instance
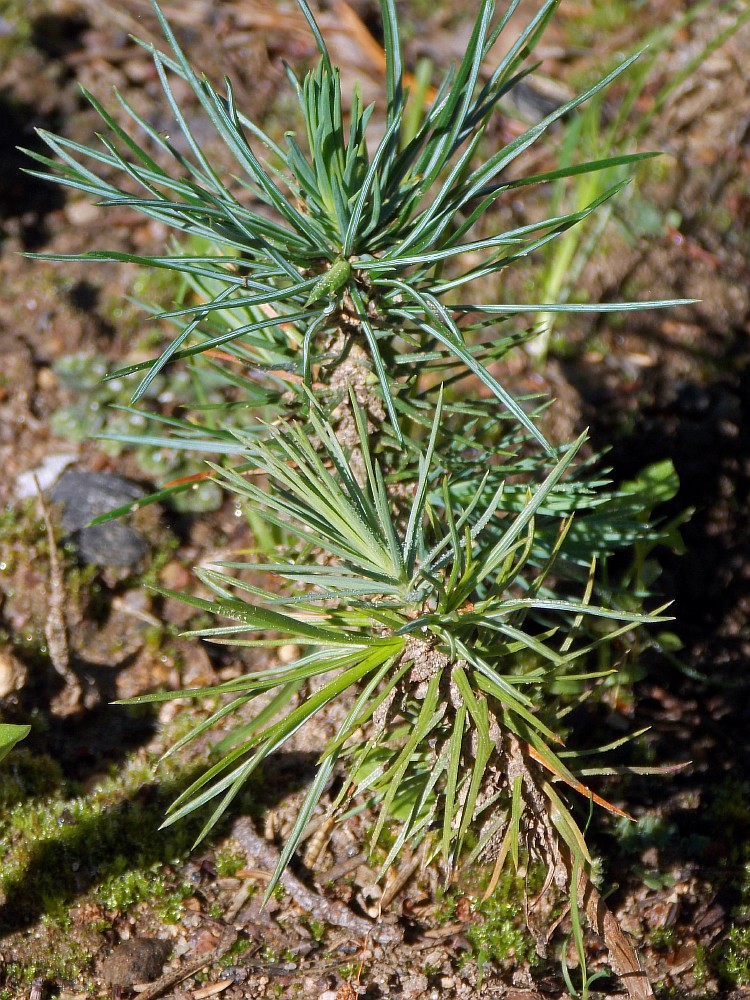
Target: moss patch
(64, 848)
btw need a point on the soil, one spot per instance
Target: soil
(85, 870)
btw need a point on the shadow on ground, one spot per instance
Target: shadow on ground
(69, 853)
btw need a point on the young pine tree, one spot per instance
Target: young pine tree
(429, 551)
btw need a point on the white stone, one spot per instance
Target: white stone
(46, 475)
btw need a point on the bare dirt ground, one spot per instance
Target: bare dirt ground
(89, 884)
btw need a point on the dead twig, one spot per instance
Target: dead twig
(326, 910)
(342, 868)
(55, 626)
(396, 884)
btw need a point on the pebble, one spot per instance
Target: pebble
(236, 973)
(46, 380)
(46, 474)
(13, 673)
(82, 212)
(139, 71)
(289, 652)
(139, 960)
(175, 576)
(85, 495)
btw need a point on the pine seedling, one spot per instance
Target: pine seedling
(438, 554)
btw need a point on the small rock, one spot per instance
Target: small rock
(416, 984)
(13, 673)
(139, 960)
(139, 71)
(121, 636)
(288, 653)
(45, 474)
(197, 670)
(236, 973)
(203, 941)
(86, 495)
(46, 380)
(82, 212)
(683, 959)
(175, 576)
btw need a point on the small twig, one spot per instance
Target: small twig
(402, 876)
(212, 989)
(55, 627)
(328, 911)
(344, 867)
(240, 898)
(118, 604)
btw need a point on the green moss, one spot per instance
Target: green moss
(731, 809)
(701, 970)
(228, 863)
(279, 892)
(663, 938)
(27, 776)
(728, 818)
(168, 545)
(65, 962)
(82, 583)
(734, 957)
(58, 843)
(17, 14)
(496, 930)
(675, 993)
(317, 928)
(240, 946)
(499, 934)
(123, 890)
(21, 523)
(269, 954)
(172, 909)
